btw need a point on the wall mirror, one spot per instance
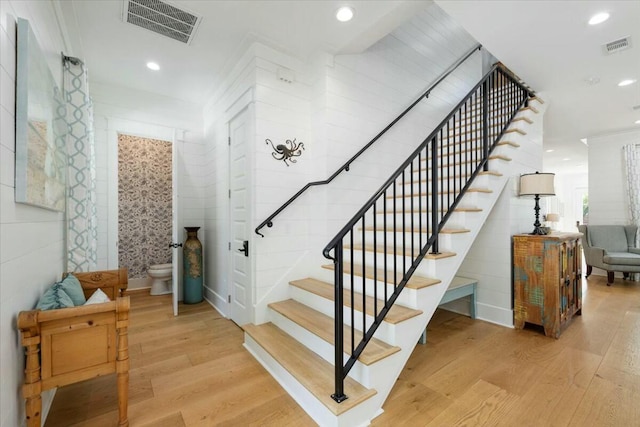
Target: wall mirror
(41, 160)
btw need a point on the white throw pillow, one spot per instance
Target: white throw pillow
(98, 297)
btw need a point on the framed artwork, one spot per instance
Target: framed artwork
(41, 159)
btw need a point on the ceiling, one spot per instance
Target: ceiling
(547, 43)
(116, 52)
(550, 45)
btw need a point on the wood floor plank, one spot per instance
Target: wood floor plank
(565, 389)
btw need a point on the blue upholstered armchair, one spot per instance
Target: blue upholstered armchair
(611, 248)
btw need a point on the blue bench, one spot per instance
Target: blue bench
(459, 287)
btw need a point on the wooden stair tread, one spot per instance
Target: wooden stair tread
(491, 157)
(444, 178)
(523, 119)
(537, 98)
(454, 231)
(408, 194)
(415, 229)
(397, 314)
(530, 108)
(312, 371)
(416, 282)
(415, 211)
(380, 249)
(322, 326)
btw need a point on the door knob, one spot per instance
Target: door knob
(245, 248)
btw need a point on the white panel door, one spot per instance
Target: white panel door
(240, 292)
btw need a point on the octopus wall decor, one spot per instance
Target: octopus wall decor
(286, 151)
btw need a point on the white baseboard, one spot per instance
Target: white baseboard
(492, 314)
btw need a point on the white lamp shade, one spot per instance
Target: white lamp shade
(540, 184)
(553, 217)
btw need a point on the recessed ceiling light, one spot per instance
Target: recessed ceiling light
(627, 82)
(592, 80)
(566, 158)
(637, 122)
(344, 14)
(550, 150)
(584, 141)
(153, 66)
(598, 18)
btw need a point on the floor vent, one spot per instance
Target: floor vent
(162, 18)
(617, 45)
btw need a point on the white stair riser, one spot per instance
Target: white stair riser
(360, 371)
(386, 331)
(480, 181)
(457, 217)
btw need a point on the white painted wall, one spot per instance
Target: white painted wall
(119, 109)
(568, 200)
(608, 200)
(32, 250)
(489, 259)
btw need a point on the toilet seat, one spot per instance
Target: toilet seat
(160, 275)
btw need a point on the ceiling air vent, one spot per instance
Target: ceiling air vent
(617, 45)
(161, 18)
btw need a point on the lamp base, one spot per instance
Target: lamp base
(538, 231)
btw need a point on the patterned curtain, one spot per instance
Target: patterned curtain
(632, 163)
(82, 232)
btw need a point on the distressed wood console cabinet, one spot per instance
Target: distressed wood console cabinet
(547, 284)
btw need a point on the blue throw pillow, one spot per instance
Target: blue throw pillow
(72, 287)
(54, 297)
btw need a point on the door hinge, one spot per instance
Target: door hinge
(229, 193)
(229, 140)
(229, 298)
(229, 245)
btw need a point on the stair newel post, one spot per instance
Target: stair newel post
(339, 395)
(486, 87)
(434, 194)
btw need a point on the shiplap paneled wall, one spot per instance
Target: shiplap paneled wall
(30, 237)
(335, 106)
(489, 258)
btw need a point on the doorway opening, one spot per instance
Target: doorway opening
(145, 206)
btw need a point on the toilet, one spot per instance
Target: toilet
(160, 275)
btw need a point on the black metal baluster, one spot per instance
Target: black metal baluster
(339, 395)
(434, 194)
(364, 281)
(404, 237)
(395, 234)
(384, 238)
(420, 199)
(411, 204)
(375, 261)
(352, 294)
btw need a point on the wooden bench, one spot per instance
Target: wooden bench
(69, 345)
(459, 287)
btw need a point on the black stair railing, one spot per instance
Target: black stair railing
(345, 167)
(429, 184)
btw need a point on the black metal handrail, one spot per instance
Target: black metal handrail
(345, 167)
(446, 162)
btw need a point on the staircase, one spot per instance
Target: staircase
(393, 262)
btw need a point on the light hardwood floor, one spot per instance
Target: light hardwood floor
(193, 371)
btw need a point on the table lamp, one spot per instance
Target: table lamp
(537, 184)
(552, 218)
